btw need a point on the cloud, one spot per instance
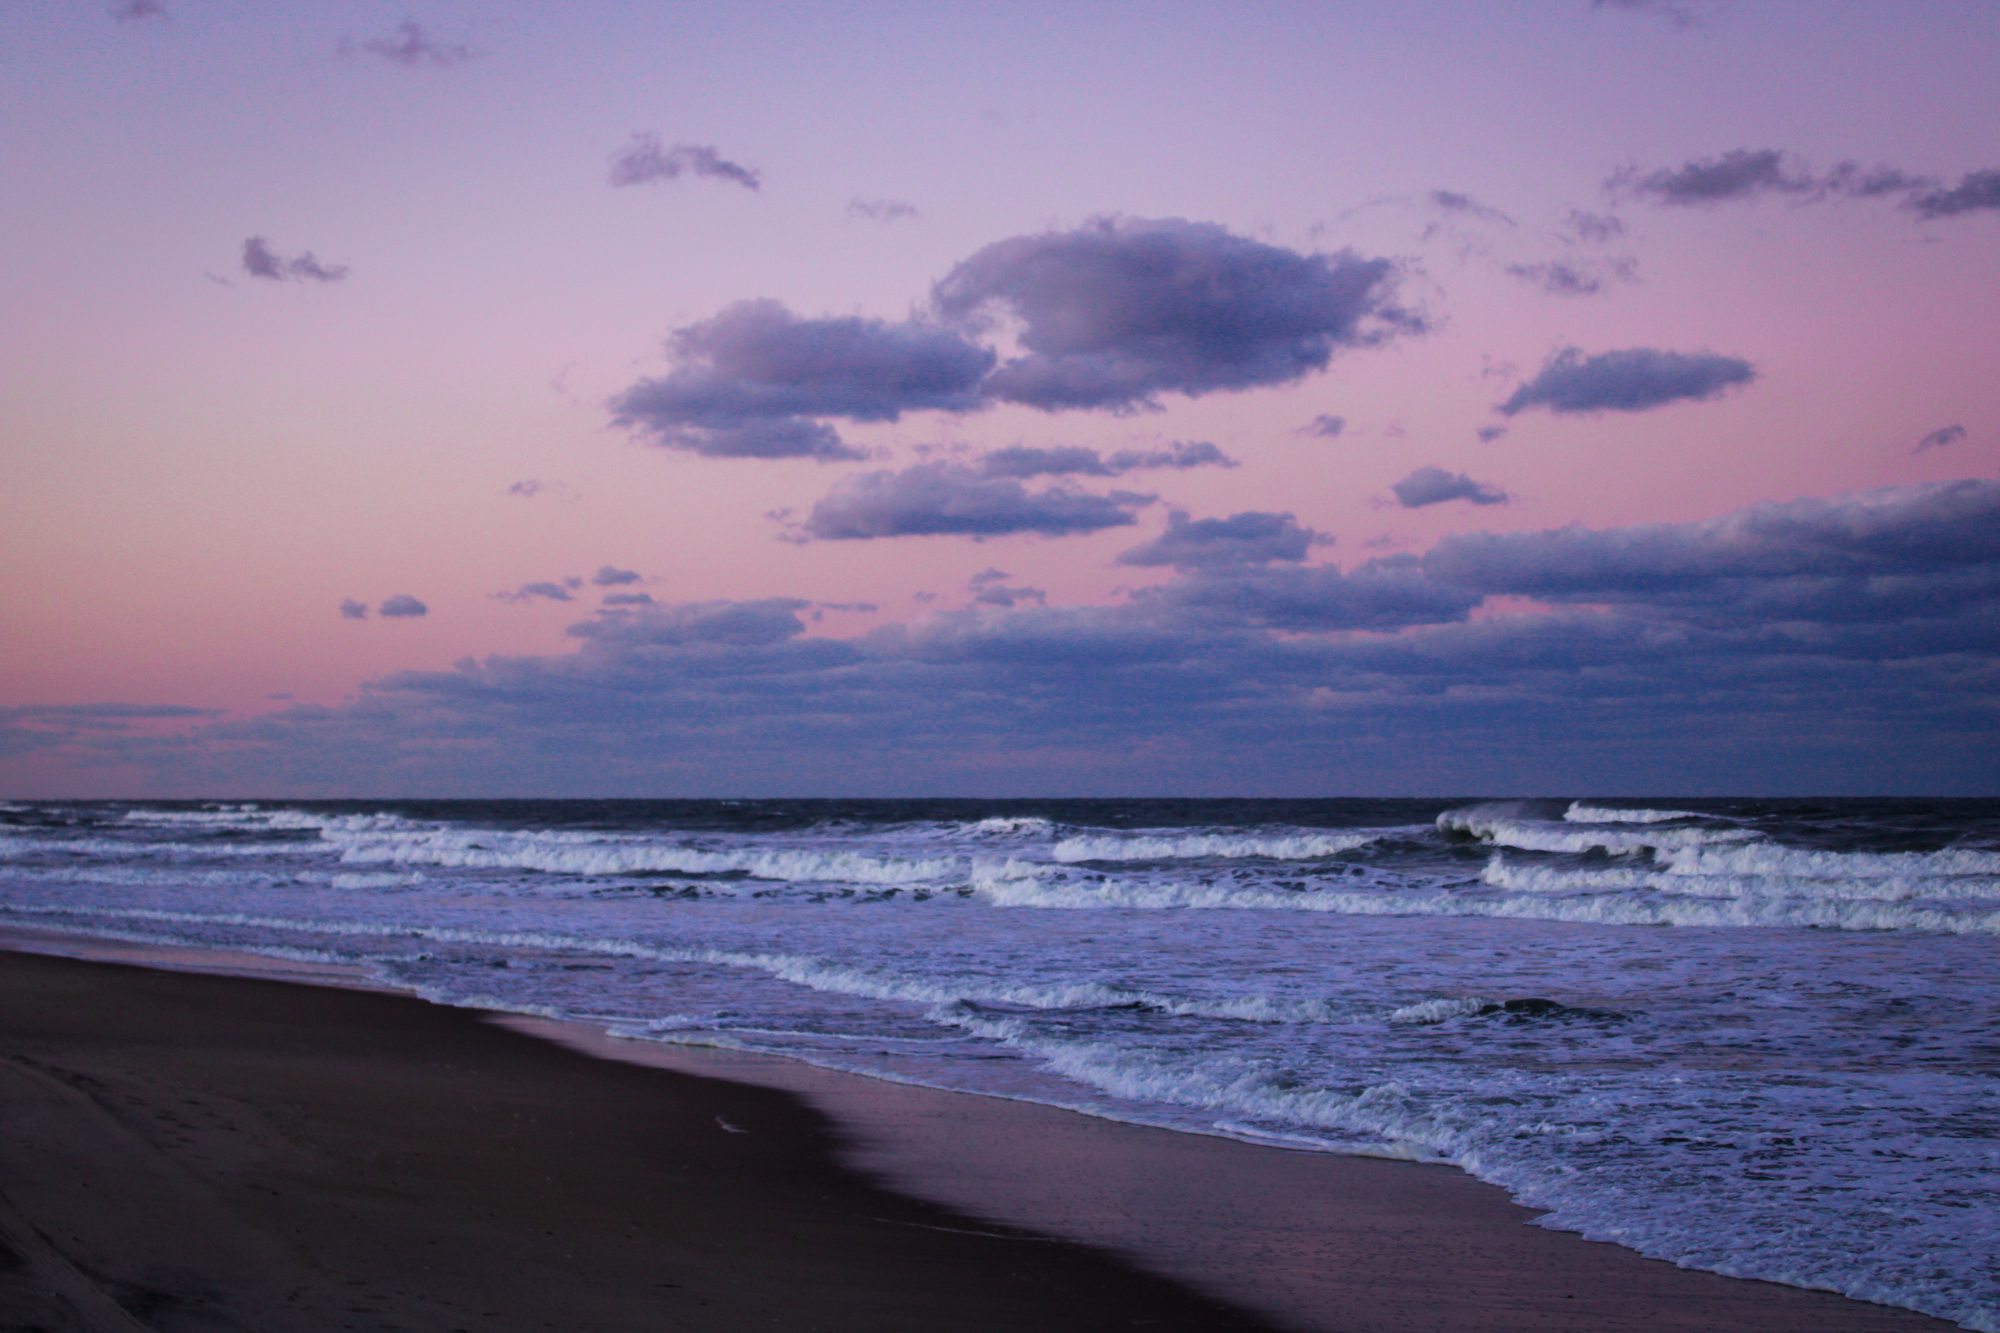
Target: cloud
(1325, 426)
(1678, 13)
(880, 210)
(353, 610)
(261, 261)
(1454, 201)
(1749, 173)
(1568, 277)
(628, 599)
(1586, 228)
(410, 45)
(1977, 191)
(610, 576)
(1075, 460)
(754, 381)
(1120, 310)
(1844, 643)
(540, 591)
(1488, 434)
(1940, 437)
(527, 490)
(989, 587)
(131, 11)
(1898, 531)
(1249, 538)
(402, 605)
(930, 499)
(1433, 485)
(1741, 173)
(1631, 380)
(643, 161)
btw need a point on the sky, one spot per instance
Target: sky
(502, 399)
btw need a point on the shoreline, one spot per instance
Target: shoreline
(1268, 1236)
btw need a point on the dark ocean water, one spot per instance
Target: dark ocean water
(1761, 1037)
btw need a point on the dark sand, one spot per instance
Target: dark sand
(181, 1151)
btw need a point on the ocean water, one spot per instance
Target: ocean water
(1761, 1038)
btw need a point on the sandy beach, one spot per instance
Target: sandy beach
(185, 1151)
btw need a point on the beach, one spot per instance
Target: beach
(190, 1151)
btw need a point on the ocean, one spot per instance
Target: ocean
(1756, 1037)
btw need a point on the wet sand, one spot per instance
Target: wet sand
(182, 1151)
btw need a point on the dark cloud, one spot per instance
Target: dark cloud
(989, 587)
(1569, 277)
(1381, 595)
(410, 45)
(644, 160)
(1940, 437)
(1465, 205)
(1433, 485)
(527, 490)
(1074, 460)
(353, 610)
(610, 576)
(1326, 426)
(1749, 173)
(1902, 531)
(261, 261)
(1249, 538)
(1122, 309)
(1741, 173)
(131, 11)
(1488, 434)
(1631, 380)
(1586, 228)
(1849, 643)
(880, 210)
(1976, 192)
(402, 605)
(947, 498)
(752, 381)
(1857, 182)
(541, 591)
(628, 599)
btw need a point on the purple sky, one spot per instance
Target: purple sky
(509, 399)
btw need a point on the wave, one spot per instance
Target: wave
(1606, 909)
(1206, 846)
(1516, 877)
(1772, 859)
(1009, 826)
(1580, 813)
(592, 854)
(1501, 825)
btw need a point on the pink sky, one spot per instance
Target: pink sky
(203, 464)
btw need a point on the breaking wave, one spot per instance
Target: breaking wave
(1206, 846)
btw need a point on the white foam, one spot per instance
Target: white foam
(1440, 1009)
(1771, 859)
(1580, 813)
(1204, 846)
(1011, 826)
(595, 854)
(1498, 824)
